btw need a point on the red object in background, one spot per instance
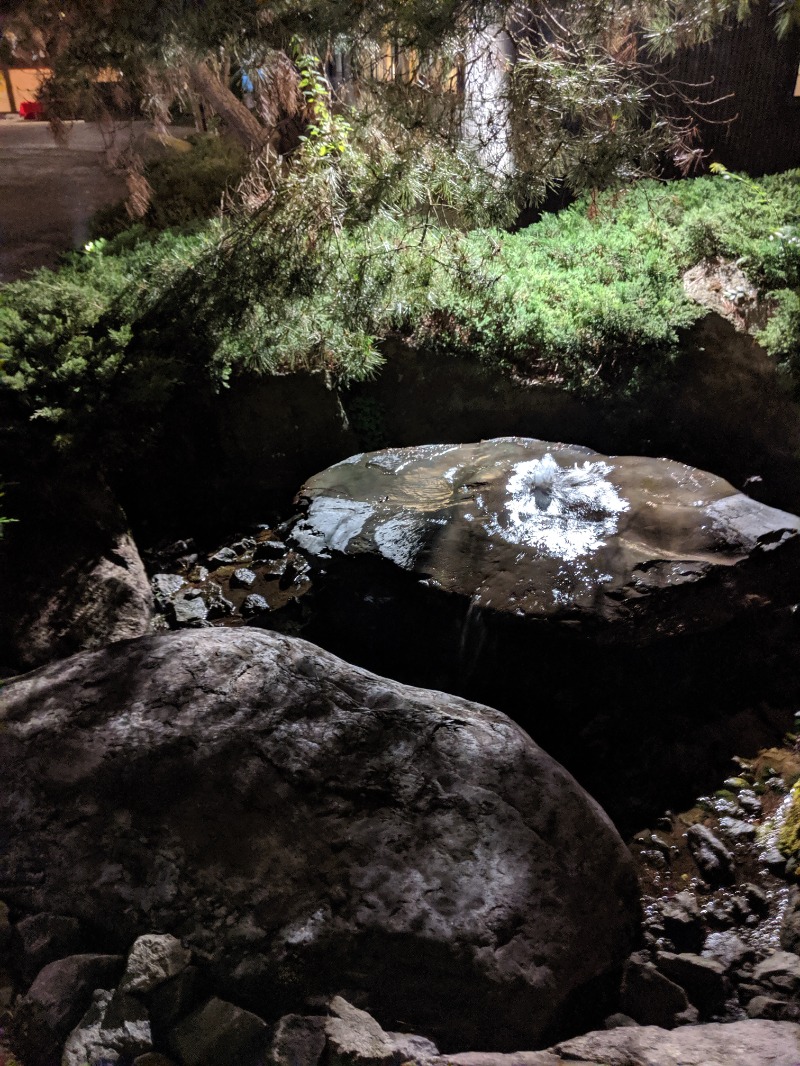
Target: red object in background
(31, 109)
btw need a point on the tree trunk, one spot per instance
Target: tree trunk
(244, 126)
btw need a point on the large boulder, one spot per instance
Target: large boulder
(576, 591)
(306, 828)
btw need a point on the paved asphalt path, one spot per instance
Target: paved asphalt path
(49, 191)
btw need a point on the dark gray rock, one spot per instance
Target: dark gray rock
(188, 612)
(153, 959)
(650, 998)
(736, 830)
(775, 1009)
(400, 841)
(56, 1001)
(790, 926)
(618, 1021)
(43, 938)
(748, 1043)
(173, 999)
(354, 1038)
(750, 803)
(550, 531)
(755, 898)
(165, 588)
(115, 1029)
(680, 918)
(246, 544)
(253, 605)
(269, 550)
(223, 557)
(243, 578)
(774, 861)
(780, 972)
(702, 979)
(298, 1040)
(713, 859)
(219, 1032)
(728, 949)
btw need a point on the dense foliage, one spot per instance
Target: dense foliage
(591, 297)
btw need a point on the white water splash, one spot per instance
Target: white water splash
(562, 512)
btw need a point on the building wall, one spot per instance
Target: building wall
(25, 85)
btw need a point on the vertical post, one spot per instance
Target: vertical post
(488, 57)
(12, 103)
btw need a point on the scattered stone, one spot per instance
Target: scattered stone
(702, 979)
(354, 1038)
(681, 919)
(269, 550)
(220, 1032)
(246, 544)
(187, 613)
(43, 938)
(790, 927)
(747, 1043)
(223, 557)
(298, 1040)
(243, 578)
(116, 1028)
(154, 959)
(56, 1001)
(198, 574)
(776, 1009)
(728, 949)
(650, 998)
(253, 605)
(779, 971)
(774, 861)
(171, 1001)
(756, 898)
(737, 830)
(713, 859)
(218, 605)
(165, 588)
(750, 803)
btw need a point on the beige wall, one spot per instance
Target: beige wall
(25, 83)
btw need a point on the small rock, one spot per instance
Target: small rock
(702, 979)
(218, 605)
(246, 544)
(198, 574)
(755, 898)
(188, 613)
(765, 1007)
(780, 971)
(618, 1021)
(713, 859)
(727, 949)
(681, 920)
(269, 550)
(790, 927)
(298, 1041)
(170, 1002)
(154, 959)
(650, 998)
(223, 557)
(116, 1028)
(737, 830)
(749, 802)
(219, 1032)
(254, 604)
(165, 588)
(243, 578)
(736, 783)
(57, 1000)
(774, 861)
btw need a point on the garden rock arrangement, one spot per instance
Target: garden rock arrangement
(306, 827)
(635, 547)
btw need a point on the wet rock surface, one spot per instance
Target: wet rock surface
(330, 829)
(646, 547)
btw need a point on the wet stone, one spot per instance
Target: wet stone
(188, 613)
(223, 557)
(270, 550)
(737, 830)
(253, 605)
(165, 588)
(243, 578)
(774, 861)
(750, 803)
(713, 859)
(681, 920)
(780, 971)
(246, 544)
(727, 949)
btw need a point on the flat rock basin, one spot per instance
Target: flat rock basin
(558, 533)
